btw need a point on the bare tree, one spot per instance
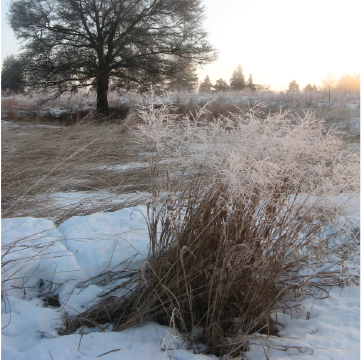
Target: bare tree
(69, 43)
(329, 82)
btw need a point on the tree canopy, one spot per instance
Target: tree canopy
(250, 84)
(69, 43)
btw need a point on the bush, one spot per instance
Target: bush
(242, 211)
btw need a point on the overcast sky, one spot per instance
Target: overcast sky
(275, 40)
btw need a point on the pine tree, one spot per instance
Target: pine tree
(12, 75)
(206, 85)
(184, 78)
(250, 85)
(293, 86)
(237, 81)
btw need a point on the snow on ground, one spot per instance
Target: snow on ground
(77, 250)
(82, 247)
(329, 329)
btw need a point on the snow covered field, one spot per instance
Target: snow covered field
(49, 270)
(82, 247)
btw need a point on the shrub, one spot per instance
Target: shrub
(242, 216)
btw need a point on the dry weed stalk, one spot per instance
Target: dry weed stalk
(242, 211)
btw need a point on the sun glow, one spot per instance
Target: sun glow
(282, 40)
(276, 41)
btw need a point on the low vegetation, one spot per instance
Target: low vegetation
(243, 221)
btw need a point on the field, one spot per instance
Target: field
(223, 217)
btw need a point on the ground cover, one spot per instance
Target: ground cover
(225, 197)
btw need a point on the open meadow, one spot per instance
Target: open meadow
(220, 225)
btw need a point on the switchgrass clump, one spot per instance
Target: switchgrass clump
(241, 222)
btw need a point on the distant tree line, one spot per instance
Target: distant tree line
(330, 82)
(236, 82)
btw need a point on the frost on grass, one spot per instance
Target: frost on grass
(244, 221)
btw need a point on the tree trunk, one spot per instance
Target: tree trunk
(102, 94)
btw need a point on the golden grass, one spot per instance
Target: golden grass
(38, 161)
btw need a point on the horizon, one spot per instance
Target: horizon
(275, 42)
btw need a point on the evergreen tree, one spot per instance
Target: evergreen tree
(310, 87)
(250, 85)
(184, 78)
(12, 75)
(237, 81)
(206, 85)
(221, 85)
(293, 86)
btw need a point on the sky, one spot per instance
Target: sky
(276, 41)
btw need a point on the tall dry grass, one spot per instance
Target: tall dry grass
(41, 161)
(243, 223)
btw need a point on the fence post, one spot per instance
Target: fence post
(329, 96)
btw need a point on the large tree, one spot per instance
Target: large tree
(72, 43)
